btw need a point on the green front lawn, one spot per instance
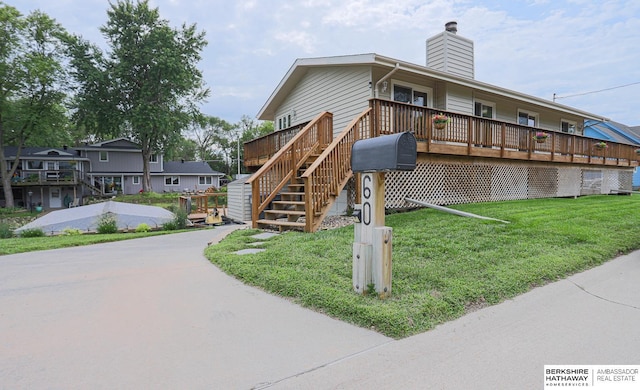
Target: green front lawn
(443, 265)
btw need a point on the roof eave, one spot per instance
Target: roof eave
(267, 112)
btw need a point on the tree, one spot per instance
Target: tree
(250, 129)
(147, 87)
(185, 149)
(32, 108)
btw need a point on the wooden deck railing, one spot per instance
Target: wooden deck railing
(49, 177)
(260, 150)
(482, 137)
(327, 176)
(273, 176)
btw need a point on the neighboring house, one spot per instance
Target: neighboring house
(486, 152)
(192, 176)
(62, 177)
(617, 132)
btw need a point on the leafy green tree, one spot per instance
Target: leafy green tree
(251, 129)
(185, 149)
(147, 87)
(32, 111)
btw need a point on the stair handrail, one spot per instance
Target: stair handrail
(267, 182)
(331, 171)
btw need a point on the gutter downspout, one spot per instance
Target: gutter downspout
(377, 87)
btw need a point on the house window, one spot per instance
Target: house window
(412, 94)
(526, 118)
(104, 156)
(568, 126)
(284, 122)
(35, 164)
(135, 180)
(484, 109)
(153, 158)
(172, 180)
(205, 180)
(111, 183)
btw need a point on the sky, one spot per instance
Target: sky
(587, 52)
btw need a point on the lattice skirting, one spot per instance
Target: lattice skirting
(444, 182)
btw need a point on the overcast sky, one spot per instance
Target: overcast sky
(538, 47)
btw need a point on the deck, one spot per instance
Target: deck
(312, 168)
(466, 135)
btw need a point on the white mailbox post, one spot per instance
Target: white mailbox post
(372, 247)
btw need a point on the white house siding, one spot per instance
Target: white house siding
(343, 91)
(451, 53)
(459, 99)
(507, 111)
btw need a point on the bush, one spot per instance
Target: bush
(171, 225)
(30, 233)
(107, 224)
(178, 222)
(71, 232)
(143, 228)
(5, 230)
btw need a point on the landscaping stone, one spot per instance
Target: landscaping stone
(249, 251)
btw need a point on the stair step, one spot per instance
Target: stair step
(281, 223)
(292, 193)
(285, 212)
(289, 202)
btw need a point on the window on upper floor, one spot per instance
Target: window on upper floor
(527, 118)
(484, 109)
(104, 156)
(284, 121)
(413, 94)
(567, 126)
(35, 164)
(153, 158)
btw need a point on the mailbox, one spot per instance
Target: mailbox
(394, 152)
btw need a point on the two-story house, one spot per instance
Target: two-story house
(496, 144)
(63, 177)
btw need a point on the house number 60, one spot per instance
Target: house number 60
(366, 194)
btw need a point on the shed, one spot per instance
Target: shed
(239, 199)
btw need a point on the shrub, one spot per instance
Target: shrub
(30, 233)
(143, 228)
(107, 224)
(171, 225)
(72, 232)
(178, 222)
(5, 230)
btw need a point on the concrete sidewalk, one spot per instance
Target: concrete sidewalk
(591, 318)
(155, 314)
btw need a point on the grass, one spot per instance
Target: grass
(9, 246)
(443, 265)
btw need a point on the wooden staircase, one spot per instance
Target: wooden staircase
(296, 188)
(285, 212)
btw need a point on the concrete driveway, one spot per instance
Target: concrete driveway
(153, 313)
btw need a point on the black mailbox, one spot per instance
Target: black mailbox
(394, 152)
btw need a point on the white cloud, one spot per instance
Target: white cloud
(534, 46)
